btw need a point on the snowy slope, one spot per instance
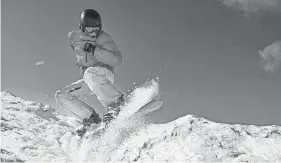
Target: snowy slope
(30, 131)
(193, 138)
(33, 132)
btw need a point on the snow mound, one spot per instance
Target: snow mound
(30, 131)
(33, 132)
(192, 139)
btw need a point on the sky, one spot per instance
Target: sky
(218, 59)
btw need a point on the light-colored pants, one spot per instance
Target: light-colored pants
(96, 80)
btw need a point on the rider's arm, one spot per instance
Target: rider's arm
(107, 51)
(75, 42)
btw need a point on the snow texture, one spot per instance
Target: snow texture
(38, 64)
(33, 132)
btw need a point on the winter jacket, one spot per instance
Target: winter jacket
(106, 53)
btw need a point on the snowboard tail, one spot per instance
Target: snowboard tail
(147, 108)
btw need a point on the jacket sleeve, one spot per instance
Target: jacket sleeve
(75, 42)
(107, 51)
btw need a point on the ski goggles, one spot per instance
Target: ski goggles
(91, 30)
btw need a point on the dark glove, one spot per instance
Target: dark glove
(88, 47)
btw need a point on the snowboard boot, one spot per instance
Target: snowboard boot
(94, 118)
(113, 110)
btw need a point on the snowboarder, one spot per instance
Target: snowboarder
(97, 56)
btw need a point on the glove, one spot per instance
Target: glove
(88, 47)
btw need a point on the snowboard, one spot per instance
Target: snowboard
(142, 111)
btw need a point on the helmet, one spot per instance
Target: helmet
(90, 18)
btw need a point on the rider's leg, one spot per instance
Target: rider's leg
(70, 98)
(100, 81)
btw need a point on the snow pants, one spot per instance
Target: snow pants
(96, 80)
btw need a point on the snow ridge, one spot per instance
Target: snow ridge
(33, 132)
(192, 139)
(30, 131)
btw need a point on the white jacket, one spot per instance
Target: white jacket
(106, 53)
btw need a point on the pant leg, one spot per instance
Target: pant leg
(100, 81)
(71, 96)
